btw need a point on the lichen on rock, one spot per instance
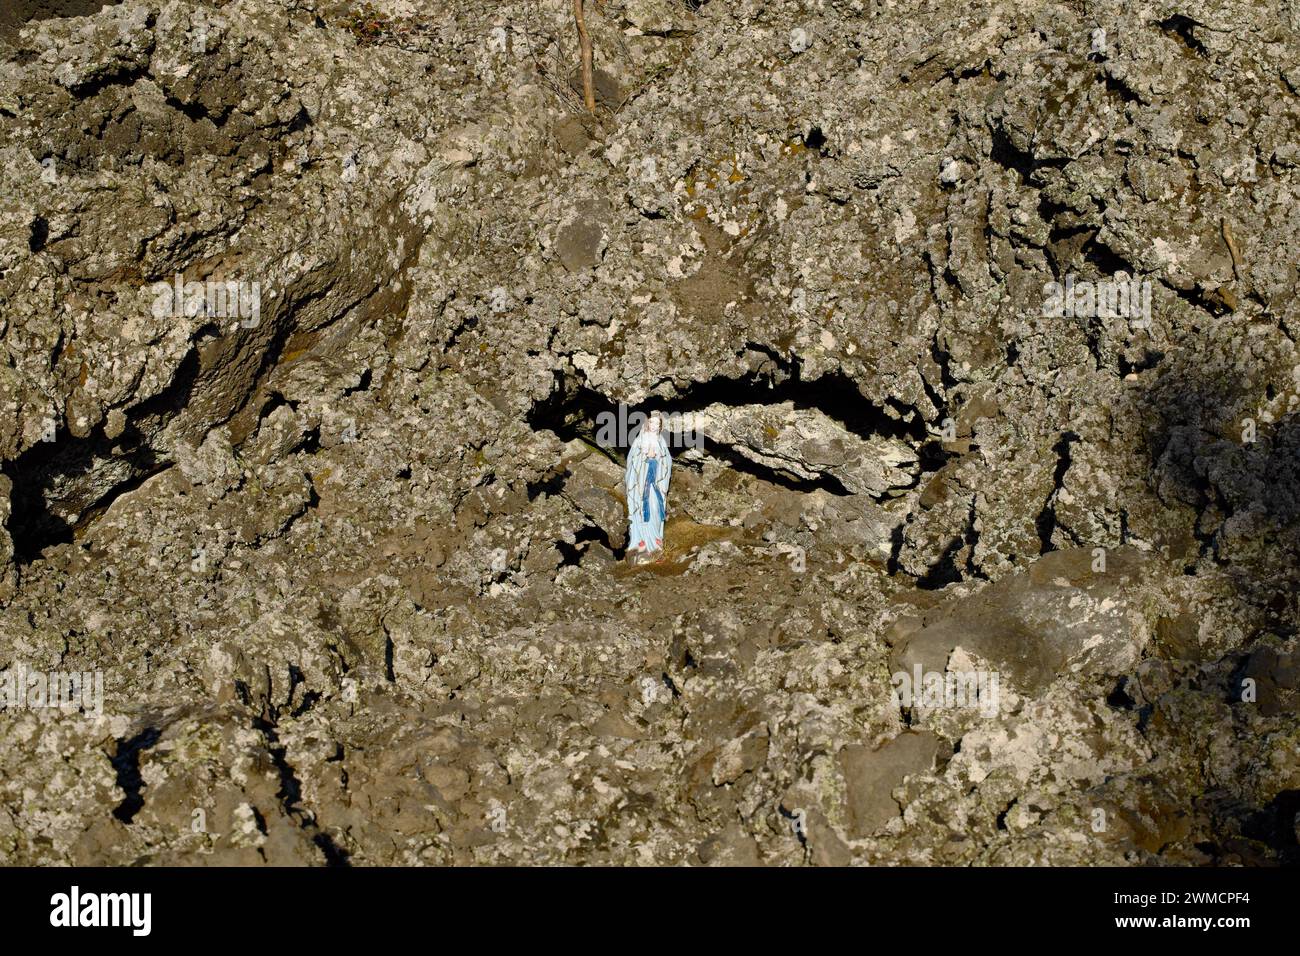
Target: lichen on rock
(336, 523)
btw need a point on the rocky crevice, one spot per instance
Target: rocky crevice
(395, 492)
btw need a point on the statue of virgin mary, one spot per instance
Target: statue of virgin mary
(649, 467)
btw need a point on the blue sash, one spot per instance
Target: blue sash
(652, 468)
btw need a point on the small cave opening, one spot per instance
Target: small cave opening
(47, 505)
(575, 409)
(815, 139)
(583, 539)
(40, 234)
(61, 485)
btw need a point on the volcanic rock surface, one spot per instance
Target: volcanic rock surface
(351, 563)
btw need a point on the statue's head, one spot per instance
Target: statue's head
(648, 436)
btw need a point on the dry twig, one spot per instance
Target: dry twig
(584, 43)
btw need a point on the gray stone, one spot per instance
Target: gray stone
(872, 775)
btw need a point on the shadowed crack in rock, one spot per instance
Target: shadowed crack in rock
(387, 518)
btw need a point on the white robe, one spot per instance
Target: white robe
(647, 497)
